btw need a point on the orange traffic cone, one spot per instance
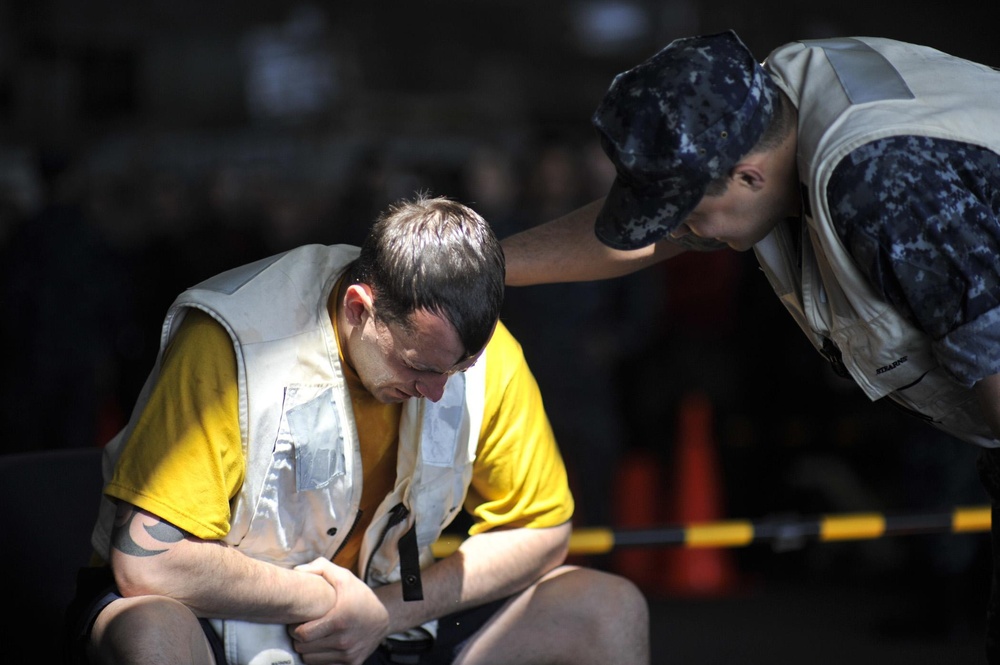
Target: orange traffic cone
(697, 497)
(636, 505)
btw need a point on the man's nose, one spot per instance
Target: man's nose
(432, 387)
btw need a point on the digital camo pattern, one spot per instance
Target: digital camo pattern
(671, 125)
(921, 217)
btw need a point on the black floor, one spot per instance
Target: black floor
(818, 624)
(829, 613)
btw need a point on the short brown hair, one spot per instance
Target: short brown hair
(438, 255)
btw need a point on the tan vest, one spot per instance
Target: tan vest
(849, 92)
(303, 475)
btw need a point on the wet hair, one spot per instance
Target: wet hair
(782, 122)
(437, 255)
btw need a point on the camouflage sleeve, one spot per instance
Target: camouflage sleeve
(921, 217)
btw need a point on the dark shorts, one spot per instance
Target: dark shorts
(454, 631)
(96, 590)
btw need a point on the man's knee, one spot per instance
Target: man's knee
(148, 629)
(613, 598)
(571, 615)
(610, 608)
(611, 611)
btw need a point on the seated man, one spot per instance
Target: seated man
(313, 422)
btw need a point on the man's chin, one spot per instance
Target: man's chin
(391, 396)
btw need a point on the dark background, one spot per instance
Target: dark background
(146, 146)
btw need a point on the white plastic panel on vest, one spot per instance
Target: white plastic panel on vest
(864, 73)
(319, 450)
(442, 424)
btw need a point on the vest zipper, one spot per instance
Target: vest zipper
(350, 532)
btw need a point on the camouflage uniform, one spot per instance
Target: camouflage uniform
(917, 213)
(921, 217)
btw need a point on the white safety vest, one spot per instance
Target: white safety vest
(300, 497)
(849, 92)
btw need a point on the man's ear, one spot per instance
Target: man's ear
(748, 174)
(359, 302)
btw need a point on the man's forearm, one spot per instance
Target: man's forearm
(150, 556)
(486, 567)
(567, 250)
(229, 584)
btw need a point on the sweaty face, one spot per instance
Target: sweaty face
(396, 363)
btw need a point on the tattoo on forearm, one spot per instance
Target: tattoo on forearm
(164, 532)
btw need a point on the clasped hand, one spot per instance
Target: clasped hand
(351, 630)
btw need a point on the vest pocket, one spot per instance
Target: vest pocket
(314, 432)
(304, 492)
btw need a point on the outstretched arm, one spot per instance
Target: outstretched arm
(567, 250)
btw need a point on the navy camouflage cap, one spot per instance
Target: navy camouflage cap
(672, 125)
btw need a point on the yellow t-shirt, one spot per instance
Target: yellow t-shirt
(184, 461)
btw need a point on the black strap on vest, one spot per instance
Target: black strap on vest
(409, 565)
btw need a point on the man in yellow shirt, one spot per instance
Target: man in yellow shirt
(312, 424)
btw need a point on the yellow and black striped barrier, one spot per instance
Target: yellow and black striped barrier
(740, 533)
